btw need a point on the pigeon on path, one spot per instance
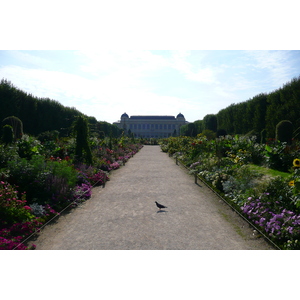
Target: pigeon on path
(160, 206)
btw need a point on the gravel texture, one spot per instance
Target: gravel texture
(123, 215)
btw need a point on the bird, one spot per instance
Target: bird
(160, 206)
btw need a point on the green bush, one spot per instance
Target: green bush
(7, 134)
(16, 124)
(284, 131)
(29, 146)
(44, 181)
(12, 208)
(7, 154)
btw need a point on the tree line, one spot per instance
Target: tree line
(40, 115)
(258, 115)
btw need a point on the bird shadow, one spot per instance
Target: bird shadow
(161, 210)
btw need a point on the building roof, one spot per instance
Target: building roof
(152, 118)
(124, 116)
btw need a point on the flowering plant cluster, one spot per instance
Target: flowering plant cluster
(41, 178)
(114, 166)
(98, 178)
(250, 176)
(280, 224)
(81, 193)
(16, 218)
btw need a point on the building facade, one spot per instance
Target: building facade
(151, 126)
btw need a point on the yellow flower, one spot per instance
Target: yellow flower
(292, 183)
(296, 162)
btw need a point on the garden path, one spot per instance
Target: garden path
(123, 215)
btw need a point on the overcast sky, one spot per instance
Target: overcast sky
(105, 84)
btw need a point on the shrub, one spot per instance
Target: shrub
(44, 181)
(12, 209)
(16, 124)
(284, 131)
(29, 146)
(7, 154)
(7, 134)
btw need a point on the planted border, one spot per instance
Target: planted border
(269, 200)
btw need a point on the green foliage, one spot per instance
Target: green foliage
(81, 132)
(281, 103)
(221, 133)
(278, 157)
(209, 134)
(40, 115)
(262, 112)
(210, 122)
(270, 199)
(43, 180)
(29, 146)
(12, 209)
(263, 136)
(284, 131)
(7, 134)
(7, 154)
(188, 130)
(48, 136)
(16, 125)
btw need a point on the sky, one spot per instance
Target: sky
(106, 83)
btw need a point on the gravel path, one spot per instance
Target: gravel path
(123, 215)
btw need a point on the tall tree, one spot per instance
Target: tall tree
(81, 131)
(210, 122)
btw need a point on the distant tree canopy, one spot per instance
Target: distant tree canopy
(42, 114)
(258, 115)
(210, 123)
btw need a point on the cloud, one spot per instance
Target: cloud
(135, 63)
(276, 66)
(192, 65)
(30, 60)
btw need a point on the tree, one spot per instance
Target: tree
(210, 122)
(82, 145)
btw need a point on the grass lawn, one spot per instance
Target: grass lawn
(269, 172)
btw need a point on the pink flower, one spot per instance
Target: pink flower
(27, 207)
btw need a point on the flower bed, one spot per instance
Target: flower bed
(261, 180)
(39, 184)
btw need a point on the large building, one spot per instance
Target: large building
(151, 126)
